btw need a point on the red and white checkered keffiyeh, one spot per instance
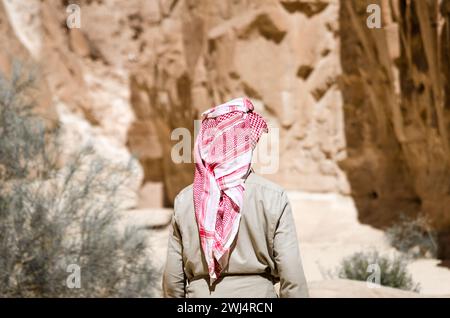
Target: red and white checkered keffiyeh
(223, 152)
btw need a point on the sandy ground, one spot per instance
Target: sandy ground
(328, 231)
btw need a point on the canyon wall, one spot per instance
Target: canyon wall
(397, 111)
(284, 55)
(358, 111)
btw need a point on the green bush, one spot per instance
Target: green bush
(413, 236)
(55, 214)
(393, 271)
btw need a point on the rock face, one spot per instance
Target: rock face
(357, 111)
(88, 98)
(283, 55)
(397, 111)
(13, 54)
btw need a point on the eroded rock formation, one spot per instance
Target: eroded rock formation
(284, 55)
(397, 111)
(359, 111)
(14, 57)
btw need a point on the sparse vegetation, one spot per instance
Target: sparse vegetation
(413, 236)
(53, 213)
(393, 271)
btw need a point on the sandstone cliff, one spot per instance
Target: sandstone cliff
(397, 111)
(361, 112)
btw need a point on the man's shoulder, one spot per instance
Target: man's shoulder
(185, 192)
(184, 201)
(258, 181)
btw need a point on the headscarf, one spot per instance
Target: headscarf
(223, 152)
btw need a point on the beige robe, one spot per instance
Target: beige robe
(265, 251)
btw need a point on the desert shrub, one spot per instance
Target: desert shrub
(413, 236)
(55, 214)
(393, 271)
